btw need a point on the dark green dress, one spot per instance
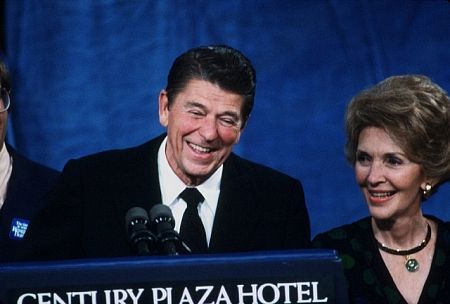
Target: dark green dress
(368, 278)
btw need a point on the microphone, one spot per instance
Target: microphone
(163, 224)
(142, 240)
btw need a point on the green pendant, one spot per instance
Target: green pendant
(412, 265)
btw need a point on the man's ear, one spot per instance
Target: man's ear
(244, 124)
(163, 108)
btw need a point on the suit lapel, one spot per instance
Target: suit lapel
(17, 186)
(26, 186)
(232, 227)
(143, 189)
(149, 185)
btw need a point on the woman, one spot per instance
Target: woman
(398, 141)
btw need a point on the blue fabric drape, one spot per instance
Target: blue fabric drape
(87, 74)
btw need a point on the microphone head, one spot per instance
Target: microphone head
(161, 217)
(140, 237)
(163, 223)
(136, 216)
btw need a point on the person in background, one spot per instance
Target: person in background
(23, 184)
(398, 141)
(235, 205)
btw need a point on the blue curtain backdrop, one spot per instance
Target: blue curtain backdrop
(87, 74)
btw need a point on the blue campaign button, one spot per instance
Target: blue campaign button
(18, 228)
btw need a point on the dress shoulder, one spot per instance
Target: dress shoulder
(343, 236)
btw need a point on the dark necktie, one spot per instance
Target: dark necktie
(192, 231)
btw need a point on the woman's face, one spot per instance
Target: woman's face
(392, 184)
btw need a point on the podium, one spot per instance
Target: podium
(300, 276)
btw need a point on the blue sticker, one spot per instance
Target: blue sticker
(18, 228)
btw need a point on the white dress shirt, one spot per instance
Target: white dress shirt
(5, 173)
(172, 186)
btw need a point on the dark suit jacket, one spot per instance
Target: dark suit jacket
(258, 209)
(28, 184)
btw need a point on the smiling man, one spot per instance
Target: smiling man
(239, 205)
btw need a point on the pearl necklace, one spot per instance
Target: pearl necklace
(411, 264)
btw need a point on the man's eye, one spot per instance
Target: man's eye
(229, 122)
(195, 113)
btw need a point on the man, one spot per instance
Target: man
(243, 207)
(23, 183)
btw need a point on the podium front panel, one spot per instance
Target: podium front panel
(303, 276)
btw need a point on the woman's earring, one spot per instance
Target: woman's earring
(427, 190)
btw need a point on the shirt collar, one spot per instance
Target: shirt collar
(172, 185)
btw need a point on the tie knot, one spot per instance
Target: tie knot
(192, 197)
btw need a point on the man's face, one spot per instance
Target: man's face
(203, 123)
